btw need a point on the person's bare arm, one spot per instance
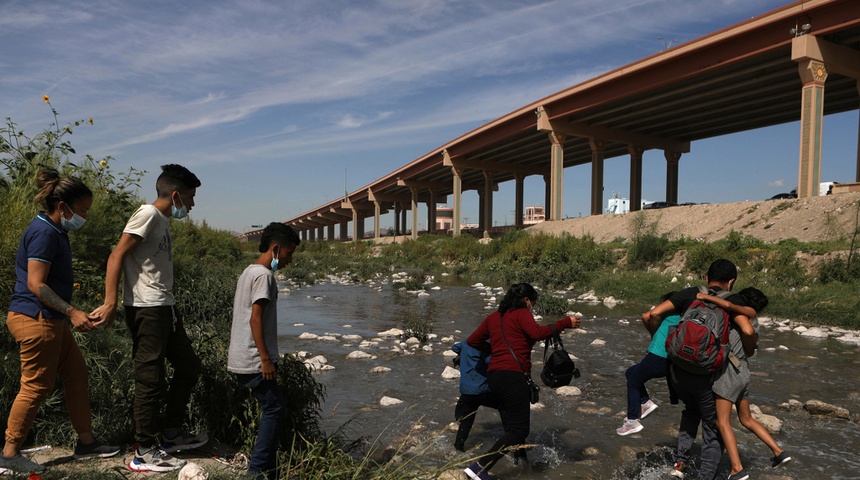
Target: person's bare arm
(37, 274)
(107, 312)
(727, 305)
(749, 339)
(652, 318)
(268, 364)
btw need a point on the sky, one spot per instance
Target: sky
(278, 107)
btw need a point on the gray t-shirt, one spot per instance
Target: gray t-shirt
(148, 269)
(735, 344)
(256, 282)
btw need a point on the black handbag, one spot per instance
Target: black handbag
(558, 368)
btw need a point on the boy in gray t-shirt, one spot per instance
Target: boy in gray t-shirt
(253, 353)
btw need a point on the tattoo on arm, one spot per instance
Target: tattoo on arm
(53, 301)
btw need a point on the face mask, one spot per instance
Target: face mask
(179, 213)
(75, 223)
(274, 263)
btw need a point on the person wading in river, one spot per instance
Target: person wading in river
(695, 390)
(512, 332)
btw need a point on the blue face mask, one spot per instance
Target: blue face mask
(274, 263)
(75, 223)
(179, 213)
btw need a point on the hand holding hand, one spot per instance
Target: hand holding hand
(81, 321)
(105, 314)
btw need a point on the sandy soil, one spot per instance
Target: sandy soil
(808, 220)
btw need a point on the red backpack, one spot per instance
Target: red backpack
(699, 344)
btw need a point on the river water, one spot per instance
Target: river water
(575, 436)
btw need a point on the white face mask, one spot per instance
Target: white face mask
(75, 223)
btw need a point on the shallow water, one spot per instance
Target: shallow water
(575, 436)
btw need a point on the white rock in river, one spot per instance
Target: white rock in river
(380, 370)
(449, 353)
(359, 354)
(316, 362)
(327, 338)
(308, 336)
(450, 373)
(769, 422)
(800, 329)
(610, 301)
(351, 338)
(537, 406)
(568, 391)
(412, 341)
(427, 348)
(598, 342)
(394, 332)
(388, 401)
(815, 332)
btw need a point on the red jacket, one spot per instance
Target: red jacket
(521, 332)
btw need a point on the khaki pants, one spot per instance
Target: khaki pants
(48, 349)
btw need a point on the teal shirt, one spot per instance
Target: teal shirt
(658, 341)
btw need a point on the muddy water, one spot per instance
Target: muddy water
(575, 436)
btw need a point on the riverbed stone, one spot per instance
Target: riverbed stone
(427, 348)
(791, 405)
(454, 474)
(412, 341)
(817, 407)
(568, 391)
(315, 363)
(771, 423)
(449, 353)
(308, 336)
(800, 329)
(450, 373)
(598, 342)
(380, 369)
(351, 338)
(358, 354)
(386, 401)
(815, 332)
(393, 332)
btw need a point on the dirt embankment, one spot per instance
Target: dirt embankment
(809, 220)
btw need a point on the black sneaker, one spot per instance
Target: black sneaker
(182, 441)
(95, 450)
(780, 459)
(742, 475)
(20, 464)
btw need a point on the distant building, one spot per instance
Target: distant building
(444, 218)
(533, 215)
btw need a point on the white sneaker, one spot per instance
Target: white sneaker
(154, 460)
(629, 426)
(647, 408)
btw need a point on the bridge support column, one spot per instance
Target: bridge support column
(344, 231)
(813, 74)
(431, 212)
(487, 211)
(312, 233)
(375, 219)
(597, 157)
(355, 235)
(396, 218)
(414, 192)
(304, 234)
(403, 219)
(672, 159)
(518, 202)
(857, 172)
(457, 200)
(321, 233)
(635, 177)
(330, 233)
(556, 183)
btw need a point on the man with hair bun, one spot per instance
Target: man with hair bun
(38, 310)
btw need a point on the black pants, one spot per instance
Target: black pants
(464, 412)
(158, 334)
(511, 390)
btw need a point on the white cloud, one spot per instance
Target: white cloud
(776, 183)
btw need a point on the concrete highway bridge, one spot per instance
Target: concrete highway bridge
(798, 62)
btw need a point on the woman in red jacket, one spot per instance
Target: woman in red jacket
(512, 332)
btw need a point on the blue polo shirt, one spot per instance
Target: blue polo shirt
(47, 242)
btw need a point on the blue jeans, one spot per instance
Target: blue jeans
(652, 366)
(264, 460)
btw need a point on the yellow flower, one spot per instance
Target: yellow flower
(103, 163)
(46, 99)
(98, 296)
(91, 120)
(77, 285)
